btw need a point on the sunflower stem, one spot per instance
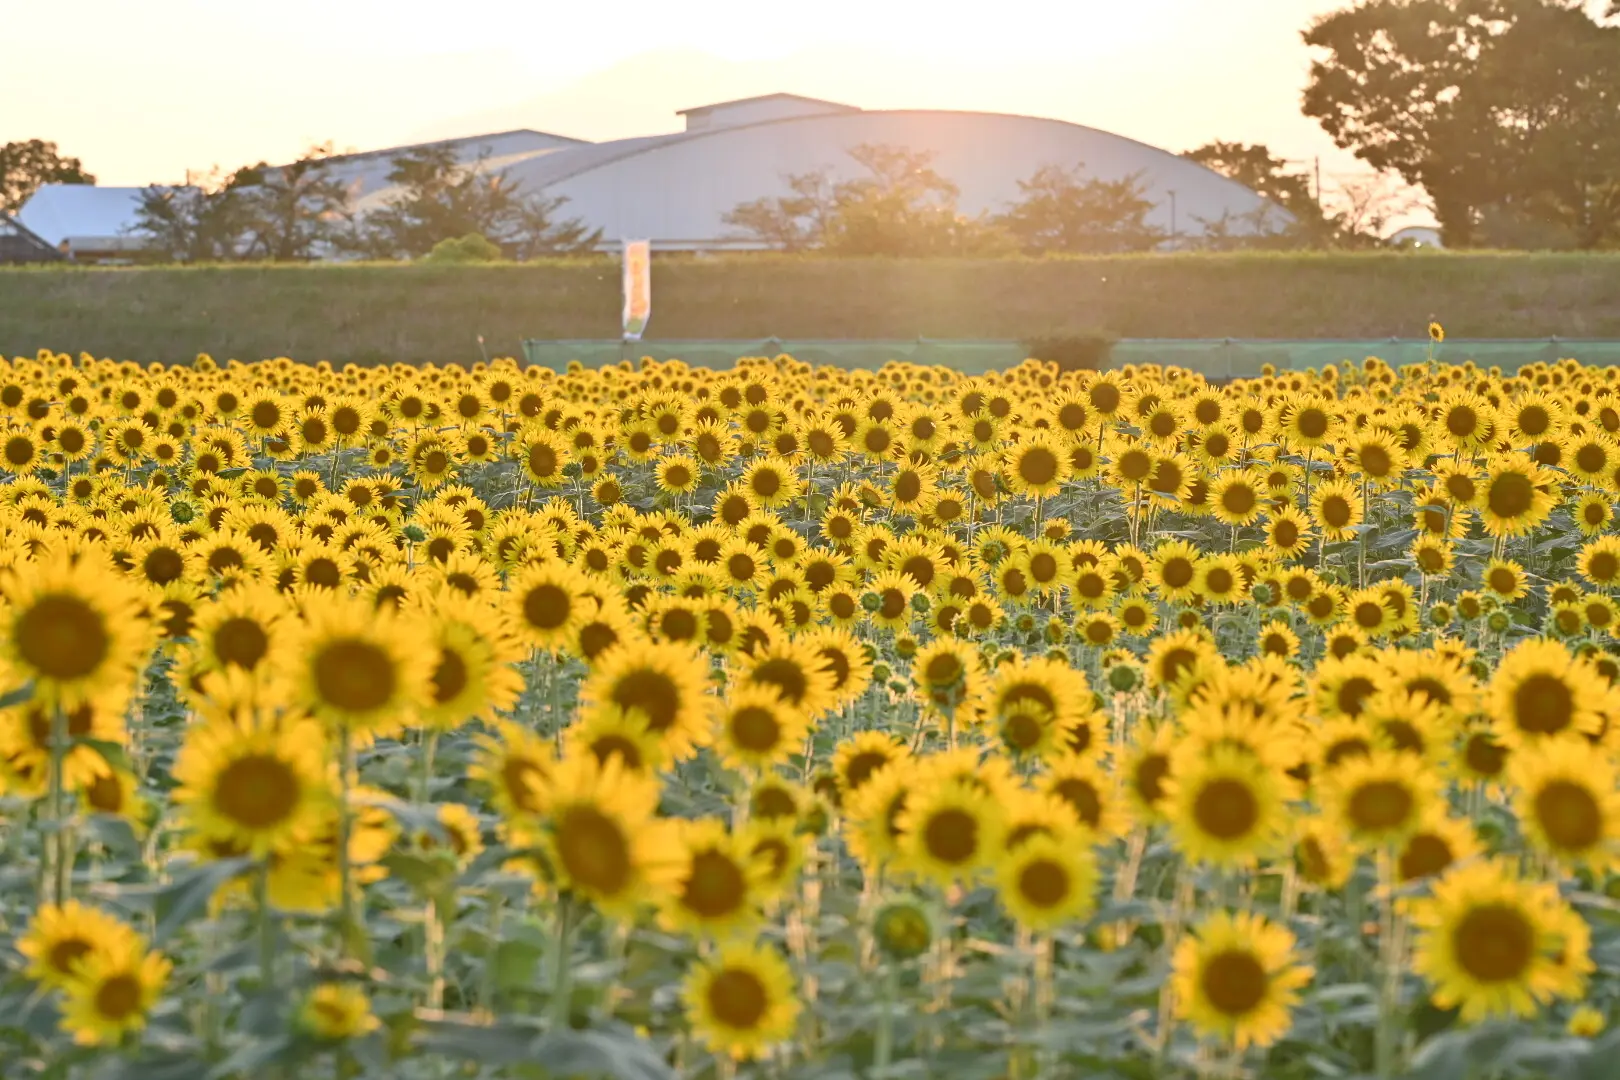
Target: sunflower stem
(560, 968)
(430, 744)
(1310, 452)
(486, 989)
(62, 856)
(433, 950)
(345, 871)
(267, 926)
(1180, 911)
(1361, 549)
(888, 1002)
(1390, 948)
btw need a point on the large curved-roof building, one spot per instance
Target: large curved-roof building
(676, 189)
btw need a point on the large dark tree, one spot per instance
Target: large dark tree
(285, 213)
(1497, 108)
(897, 205)
(1063, 210)
(289, 213)
(902, 206)
(199, 222)
(797, 221)
(1258, 169)
(24, 166)
(440, 198)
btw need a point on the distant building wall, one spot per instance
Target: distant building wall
(677, 191)
(758, 110)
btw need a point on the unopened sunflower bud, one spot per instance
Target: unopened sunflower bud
(903, 929)
(815, 820)
(414, 534)
(1123, 678)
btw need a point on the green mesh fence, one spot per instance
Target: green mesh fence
(1215, 358)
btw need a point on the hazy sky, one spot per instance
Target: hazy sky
(143, 90)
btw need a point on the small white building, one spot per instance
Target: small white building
(1416, 236)
(85, 223)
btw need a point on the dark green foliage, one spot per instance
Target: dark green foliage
(25, 165)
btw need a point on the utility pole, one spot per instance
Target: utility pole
(1318, 160)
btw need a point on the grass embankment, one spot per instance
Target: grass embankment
(417, 313)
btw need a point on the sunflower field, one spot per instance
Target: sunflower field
(793, 722)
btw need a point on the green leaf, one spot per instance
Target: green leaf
(112, 753)
(619, 1055)
(248, 1059)
(189, 893)
(504, 1043)
(23, 693)
(515, 964)
(425, 873)
(413, 819)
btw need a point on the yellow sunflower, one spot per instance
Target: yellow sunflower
(1045, 881)
(715, 881)
(515, 765)
(473, 674)
(1439, 843)
(602, 839)
(740, 1001)
(1540, 690)
(335, 1011)
(1236, 977)
(1035, 467)
(801, 674)
(72, 628)
(112, 992)
(61, 937)
(546, 602)
(664, 684)
(1379, 798)
(858, 759)
(356, 667)
(949, 832)
(1224, 806)
(253, 788)
(1490, 944)
(1567, 801)
(1516, 496)
(755, 728)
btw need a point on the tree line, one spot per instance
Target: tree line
(1505, 114)
(898, 204)
(301, 211)
(439, 207)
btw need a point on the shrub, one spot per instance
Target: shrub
(1072, 352)
(472, 248)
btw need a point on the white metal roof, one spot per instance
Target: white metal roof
(676, 189)
(826, 106)
(79, 212)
